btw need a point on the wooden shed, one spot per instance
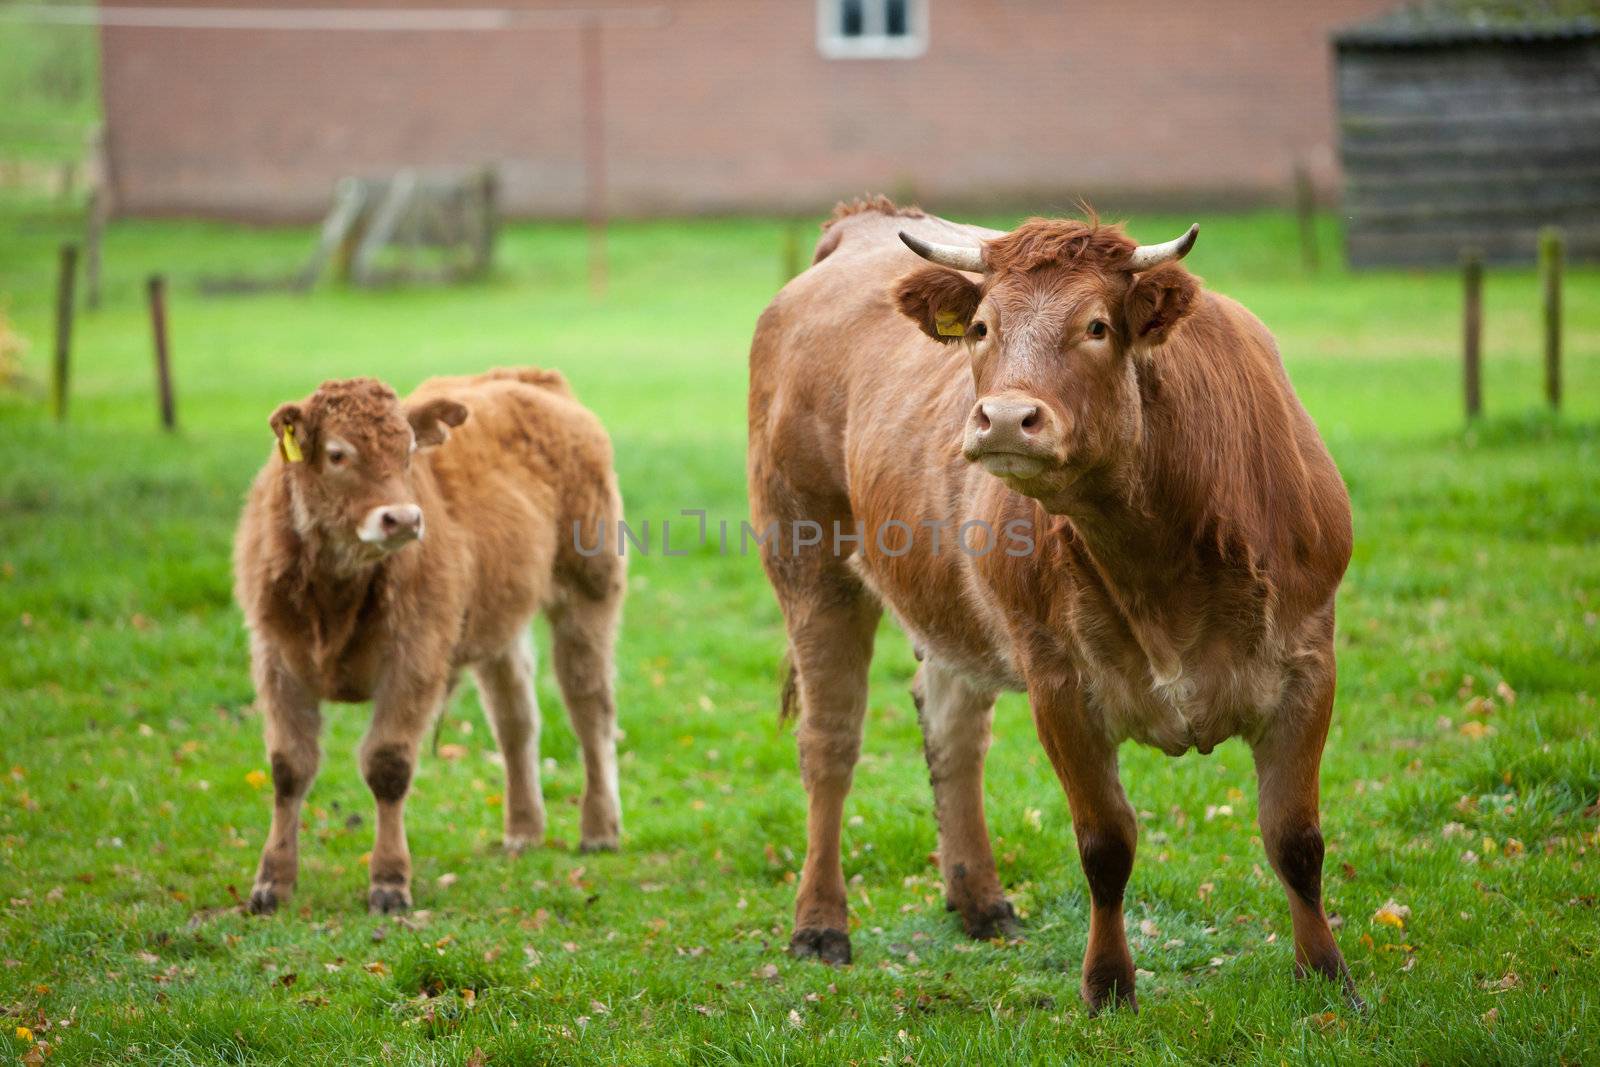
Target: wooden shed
(1470, 124)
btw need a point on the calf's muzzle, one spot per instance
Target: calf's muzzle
(391, 525)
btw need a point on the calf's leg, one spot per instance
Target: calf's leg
(293, 723)
(506, 685)
(955, 720)
(1107, 833)
(583, 636)
(401, 714)
(1288, 760)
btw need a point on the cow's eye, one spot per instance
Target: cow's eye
(979, 330)
(1098, 329)
(336, 457)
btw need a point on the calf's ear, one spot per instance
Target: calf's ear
(1157, 301)
(289, 427)
(939, 300)
(432, 419)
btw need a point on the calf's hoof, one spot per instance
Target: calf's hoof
(990, 921)
(829, 946)
(264, 900)
(516, 844)
(388, 899)
(598, 844)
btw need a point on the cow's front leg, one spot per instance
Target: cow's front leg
(401, 714)
(832, 649)
(1288, 763)
(293, 723)
(1107, 832)
(955, 720)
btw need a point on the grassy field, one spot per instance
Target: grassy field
(1460, 783)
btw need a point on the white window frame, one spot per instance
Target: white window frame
(873, 43)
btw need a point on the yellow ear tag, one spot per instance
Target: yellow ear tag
(949, 324)
(291, 447)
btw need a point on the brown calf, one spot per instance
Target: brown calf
(1068, 469)
(386, 545)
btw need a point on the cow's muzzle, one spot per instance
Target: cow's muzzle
(389, 526)
(1013, 436)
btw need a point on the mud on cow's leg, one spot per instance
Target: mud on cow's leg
(401, 714)
(293, 724)
(956, 720)
(1288, 761)
(1107, 833)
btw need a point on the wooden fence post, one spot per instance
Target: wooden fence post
(64, 284)
(1550, 264)
(91, 248)
(157, 287)
(1305, 205)
(1472, 330)
(791, 250)
(594, 153)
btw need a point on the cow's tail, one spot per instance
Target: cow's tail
(789, 701)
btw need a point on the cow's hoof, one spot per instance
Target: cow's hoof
(1104, 994)
(264, 900)
(598, 844)
(388, 899)
(516, 844)
(829, 946)
(996, 920)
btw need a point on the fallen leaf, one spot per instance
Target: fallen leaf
(1392, 914)
(445, 881)
(799, 1023)
(376, 967)
(452, 751)
(1475, 729)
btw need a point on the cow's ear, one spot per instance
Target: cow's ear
(1156, 302)
(939, 300)
(431, 421)
(289, 427)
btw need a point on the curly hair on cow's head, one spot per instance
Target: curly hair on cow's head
(1062, 242)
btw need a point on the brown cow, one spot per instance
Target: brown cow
(1140, 528)
(380, 553)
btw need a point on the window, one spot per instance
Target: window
(872, 29)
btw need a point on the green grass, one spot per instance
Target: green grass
(128, 825)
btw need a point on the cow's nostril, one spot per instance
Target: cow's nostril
(389, 521)
(1030, 421)
(983, 418)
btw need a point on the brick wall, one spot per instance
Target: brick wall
(729, 106)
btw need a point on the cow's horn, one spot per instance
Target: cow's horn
(961, 257)
(1146, 256)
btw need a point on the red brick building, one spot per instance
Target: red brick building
(228, 107)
